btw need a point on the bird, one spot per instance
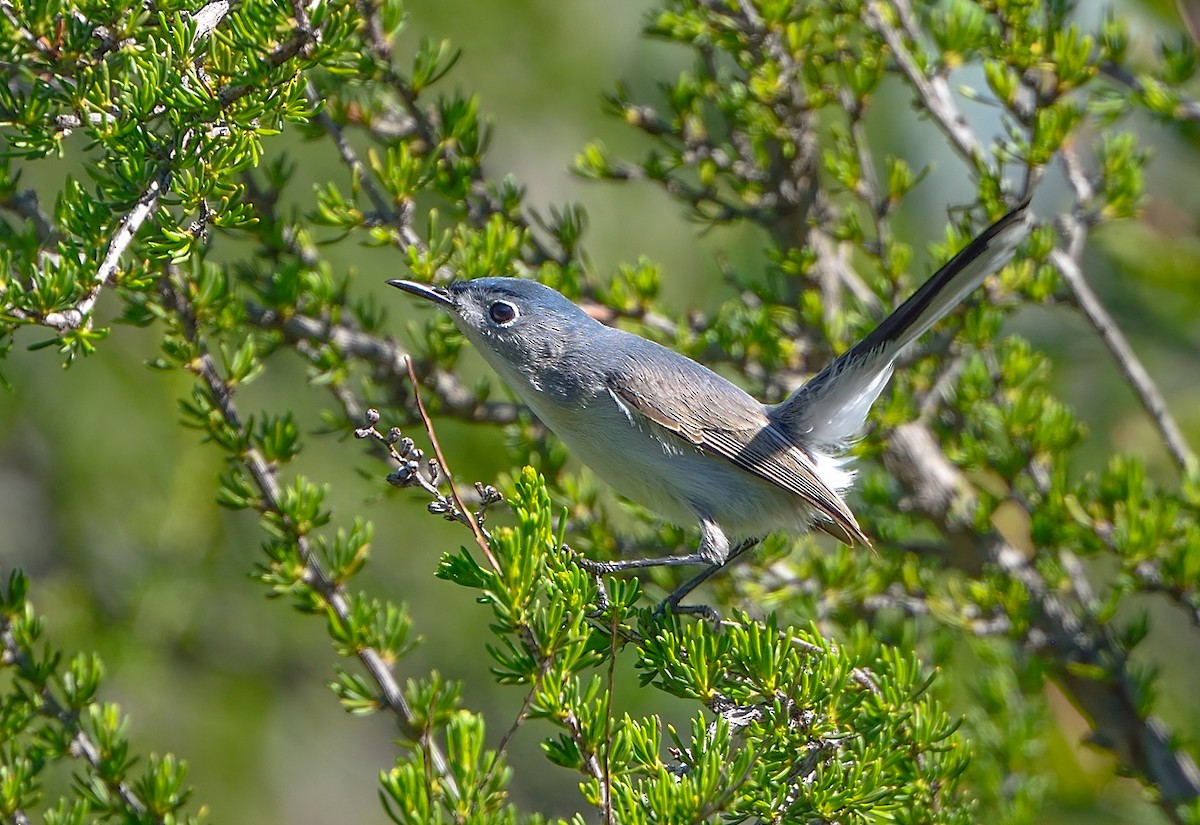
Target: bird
(685, 442)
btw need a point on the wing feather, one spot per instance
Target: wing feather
(685, 403)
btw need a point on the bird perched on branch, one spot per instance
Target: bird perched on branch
(676, 437)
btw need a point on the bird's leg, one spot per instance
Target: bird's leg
(621, 565)
(672, 602)
(713, 549)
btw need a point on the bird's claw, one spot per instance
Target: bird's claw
(603, 603)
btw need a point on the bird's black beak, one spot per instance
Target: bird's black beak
(437, 294)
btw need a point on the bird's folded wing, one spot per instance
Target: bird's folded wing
(738, 433)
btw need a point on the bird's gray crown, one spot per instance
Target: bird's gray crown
(530, 297)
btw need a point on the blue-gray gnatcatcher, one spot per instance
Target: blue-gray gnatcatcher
(680, 439)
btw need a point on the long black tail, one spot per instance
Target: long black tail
(831, 408)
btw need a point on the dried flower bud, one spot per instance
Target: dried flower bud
(404, 476)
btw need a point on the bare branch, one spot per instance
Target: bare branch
(1085, 298)
(454, 397)
(364, 178)
(476, 530)
(833, 267)
(594, 768)
(934, 91)
(127, 229)
(1129, 364)
(518, 720)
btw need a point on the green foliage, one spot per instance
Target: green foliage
(776, 694)
(52, 722)
(908, 685)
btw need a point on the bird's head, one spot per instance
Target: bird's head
(517, 320)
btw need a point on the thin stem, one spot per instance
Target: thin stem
(473, 523)
(521, 717)
(934, 91)
(1151, 398)
(610, 677)
(1093, 309)
(127, 229)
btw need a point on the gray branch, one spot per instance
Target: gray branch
(1090, 305)
(127, 229)
(1127, 361)
(933, 90)
(454, 397)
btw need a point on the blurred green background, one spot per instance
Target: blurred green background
(109, 504)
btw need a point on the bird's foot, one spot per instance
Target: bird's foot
(671, 605)
(603, 603)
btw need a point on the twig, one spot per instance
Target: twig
(521, 717)
(606, 815)
(25, 204)
(476, 530)
(934, 91)
(1186, 109)
(398, 219)
(868, 184)
(833, 264)
(1150, 578)
(928, 405)
(14, 20)
(454, 396)
(349, 157)
(1081, 587)
(571, 723)
(281, 54)
(1085, 298)
(77, 316)
(1127, 362)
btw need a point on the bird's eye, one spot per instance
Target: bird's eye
(502, 313)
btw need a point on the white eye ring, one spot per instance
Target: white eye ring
(503, 313)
